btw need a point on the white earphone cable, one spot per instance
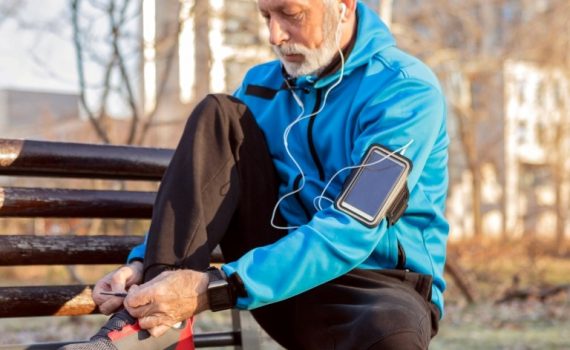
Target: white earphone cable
(301, 117)
(317, 201)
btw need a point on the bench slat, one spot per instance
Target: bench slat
(78, 160)
(33, 301)
(70, 250)
(65, 250)
(66, 203)
(72, 300)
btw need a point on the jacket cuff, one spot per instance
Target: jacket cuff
(137, 253)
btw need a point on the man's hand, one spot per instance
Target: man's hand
(171, 297)
(117, 281)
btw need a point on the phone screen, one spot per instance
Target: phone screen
(370, 188)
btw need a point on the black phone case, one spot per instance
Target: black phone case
(393, 210)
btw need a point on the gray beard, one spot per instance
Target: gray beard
(316, 60)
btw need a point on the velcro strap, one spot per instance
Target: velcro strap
(398, 207)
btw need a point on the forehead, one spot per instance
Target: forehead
(271, 5)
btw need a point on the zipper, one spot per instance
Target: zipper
(298, 196)
(312, 148)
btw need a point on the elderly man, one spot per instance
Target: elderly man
(264, 174)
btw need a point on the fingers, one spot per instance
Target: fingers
(136, 273)
(156, 325)
(158, 330)
(119, 279)
(107, 303)
(111, 305)
(141, 311)
(103, 285)
(99, 298)
(139, 301)
(116, 281)
(152, 321)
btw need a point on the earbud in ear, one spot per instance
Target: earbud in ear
(342, 7)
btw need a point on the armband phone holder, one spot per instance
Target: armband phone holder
(377, 189)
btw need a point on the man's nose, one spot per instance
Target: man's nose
(277, 34)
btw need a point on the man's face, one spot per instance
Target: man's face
(302, 33)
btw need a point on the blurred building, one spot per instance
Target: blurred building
(508, 120)
(52, 116)
(32, 111)
(522, 131)
(537, 135)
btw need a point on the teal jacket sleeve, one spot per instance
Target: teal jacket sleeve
(332, 243)
(137, 253)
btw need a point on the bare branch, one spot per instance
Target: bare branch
(75, 8)
(106, 86)
(116, 32)
(10, 9)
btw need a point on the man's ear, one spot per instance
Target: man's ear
(345, 8)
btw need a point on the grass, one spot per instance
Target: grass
(474, 338)
(493, 268)
(528, 325)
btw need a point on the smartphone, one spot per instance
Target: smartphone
(375, 188)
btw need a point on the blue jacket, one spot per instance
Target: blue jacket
(386, 97)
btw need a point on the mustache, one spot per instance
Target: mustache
(291, 49)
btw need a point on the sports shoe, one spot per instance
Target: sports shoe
(122, 332)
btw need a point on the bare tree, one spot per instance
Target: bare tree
(116, 55)
(112, 62)
(203, 53)
(10, 9)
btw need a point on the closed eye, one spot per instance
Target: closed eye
(297, 16)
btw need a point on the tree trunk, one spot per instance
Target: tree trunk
(467, 129)
(476, 201)
(203, 54)
(559, 186)
(461, 280)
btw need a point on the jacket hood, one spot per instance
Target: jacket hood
(372, 36)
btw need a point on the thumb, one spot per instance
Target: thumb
(118, 282)
(110, 305)
(137, 297)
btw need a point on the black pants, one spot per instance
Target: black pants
(220, 188)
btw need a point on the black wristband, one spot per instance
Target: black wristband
(220, 293)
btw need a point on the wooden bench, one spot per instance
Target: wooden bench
(34, 159)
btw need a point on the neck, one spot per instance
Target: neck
(336, 62)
